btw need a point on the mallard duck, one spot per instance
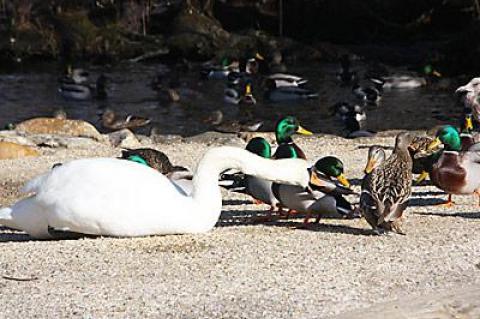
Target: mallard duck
(423, 158)
(153, 158)
(284, 130)
(456, 171)
(467, 135)
(181, 176)
(345, 75)
(276, 64)
(77, 89)
(376, 156)
(112, 197)
(110, 121)
(325, 199)
(232, 96)
(287, 93)
(259, 188)
(216, 119)
(219, 72)
(385, 191)
(368, 94)
(403, 81)
(286, 80)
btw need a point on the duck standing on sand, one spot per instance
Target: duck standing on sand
(456, 171)
(325, 199)
(387, 188)
(284, 130)
(110, 121)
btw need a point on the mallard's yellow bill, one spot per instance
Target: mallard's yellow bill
(343, 180)
(420, 178)
(248, 89)
(434, 144)
(370, 166)
(468, 123)
(437, 74)
(303, 131)
(258, 56)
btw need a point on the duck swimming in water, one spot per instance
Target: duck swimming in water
(112, 122)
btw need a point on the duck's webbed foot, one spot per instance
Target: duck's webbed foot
(448, 204)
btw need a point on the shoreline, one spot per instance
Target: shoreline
(240, 269)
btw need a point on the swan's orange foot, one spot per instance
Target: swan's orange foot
(257, 202)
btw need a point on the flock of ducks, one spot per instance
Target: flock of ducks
(142, 193)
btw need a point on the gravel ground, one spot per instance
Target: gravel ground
(241, 269)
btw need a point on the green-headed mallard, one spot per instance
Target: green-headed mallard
(456, 171)
(260, 189)
(385, 191)
(232, 95)
(219, 72)
(284, 130)
(325, 197)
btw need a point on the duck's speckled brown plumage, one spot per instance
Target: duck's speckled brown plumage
(386, 190)
(422, 157)
(155, 159)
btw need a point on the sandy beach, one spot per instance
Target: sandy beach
(244, 269)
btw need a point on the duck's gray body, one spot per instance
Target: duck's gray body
(261, 189)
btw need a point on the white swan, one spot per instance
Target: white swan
(112, 197)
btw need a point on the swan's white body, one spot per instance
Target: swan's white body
(112, 197)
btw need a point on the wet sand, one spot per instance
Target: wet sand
(244, 269)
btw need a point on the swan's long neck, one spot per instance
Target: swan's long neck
(206, 192)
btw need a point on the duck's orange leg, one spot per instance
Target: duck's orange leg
(290, 212)
(307, 218)
(257, 202)
(449, 203)
(477, 192)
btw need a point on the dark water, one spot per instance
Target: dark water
(30, 94)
